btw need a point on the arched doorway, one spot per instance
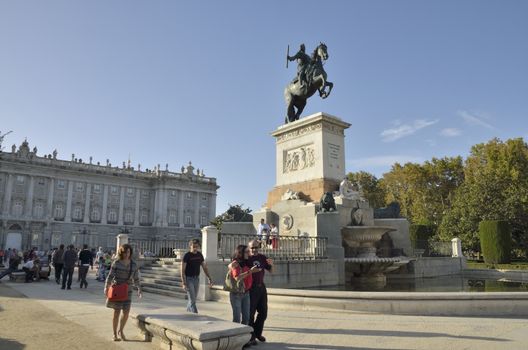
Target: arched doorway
(14, 237)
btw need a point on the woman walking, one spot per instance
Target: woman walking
(123, 271)
(190, 273)
(241, 272)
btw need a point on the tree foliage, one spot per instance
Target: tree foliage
(370, 185)
(495, 241)
(235, 213)
(495, 188)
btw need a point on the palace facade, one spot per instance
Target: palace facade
(45, 201)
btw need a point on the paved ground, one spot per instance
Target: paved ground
(284, 330)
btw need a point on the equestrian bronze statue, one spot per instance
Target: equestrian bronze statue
(311, 77)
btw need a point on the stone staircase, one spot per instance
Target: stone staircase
(163, 277)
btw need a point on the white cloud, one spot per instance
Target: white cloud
(382, 161)
(450, 132)
(474, 119)
(403, 130)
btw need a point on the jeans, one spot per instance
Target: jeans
(58, 271)
(29, 274)
(6, 272)
(83, 271)
(240, 306)
(67, 274)
(193, 283)
(259, 304)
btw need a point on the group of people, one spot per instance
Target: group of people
(249, 303)
(268, 234)
(29, 262)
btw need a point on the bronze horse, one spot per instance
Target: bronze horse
(296, 94)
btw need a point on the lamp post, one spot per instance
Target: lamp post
(84, 232)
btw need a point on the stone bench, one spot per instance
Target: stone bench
(191, 331)
(17, 276)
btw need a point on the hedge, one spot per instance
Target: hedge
(495, 241)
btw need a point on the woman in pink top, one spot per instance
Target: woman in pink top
(240, 270)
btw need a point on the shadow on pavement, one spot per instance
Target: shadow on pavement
(380, 333)
(284, 346)
(11, 344)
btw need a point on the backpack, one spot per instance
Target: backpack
(231, 284)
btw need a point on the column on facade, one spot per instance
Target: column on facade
(136, 208)
(87, 203)
(156, 207)
(181, 208)
(121, 206)
(212, 206)
(29, 197)
(197, 209)
(49, 205)
(164, 207)
(105, 204)
(7, 196)
(69, 202)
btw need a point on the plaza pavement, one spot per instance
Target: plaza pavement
(300, 330)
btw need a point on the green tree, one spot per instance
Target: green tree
(371, 187)
(235, 213)
(495, 188)
(425, 191)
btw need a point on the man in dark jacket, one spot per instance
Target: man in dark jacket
(58, 262)
(14, 261)
(69, 259)
(85, 261)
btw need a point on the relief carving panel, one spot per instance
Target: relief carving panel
(299, 158)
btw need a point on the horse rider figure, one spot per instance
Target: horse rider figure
(303, 61)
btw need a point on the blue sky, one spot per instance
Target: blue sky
(173, 81)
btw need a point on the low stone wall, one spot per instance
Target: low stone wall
(291, 274)
(432, 267)
(510, 275)
(401, 303)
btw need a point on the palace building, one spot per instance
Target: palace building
(45, 201)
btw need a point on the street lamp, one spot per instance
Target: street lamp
(84, 232)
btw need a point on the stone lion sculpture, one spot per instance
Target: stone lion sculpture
(327, 202)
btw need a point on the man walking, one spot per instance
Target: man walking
(69, 259)
(85, 261)
(58, 262)
(258, 294)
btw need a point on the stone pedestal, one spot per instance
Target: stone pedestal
(122, 238)
(310, 157)
(456, 246)
(327, 225)
(210, 253)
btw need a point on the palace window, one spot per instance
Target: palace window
(97, 188)
(35, 239)
(203, 220)
(18, 208)
(144, 218)
(20, 179)
(129, 218)
(204, 196)
(56, 238)
(130, 191)
(38, 210)
(188, 220)
(112, 216)
(79, 187)
(59, 211)
(61, 184)
(173, 217)
(96, 215)
(189, 195)
(144, 193)
(173, 193)
(41, 181)
(77, 213)
(113, 189)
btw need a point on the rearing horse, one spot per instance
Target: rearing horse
(296, 94)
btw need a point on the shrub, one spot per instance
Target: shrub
(495, 241)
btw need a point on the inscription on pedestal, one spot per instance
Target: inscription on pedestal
(334, 155)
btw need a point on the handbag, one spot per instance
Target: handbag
(119, 292)
(232, 285)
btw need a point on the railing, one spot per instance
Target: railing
(158, 248)
(283, 248)
(431, 249)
